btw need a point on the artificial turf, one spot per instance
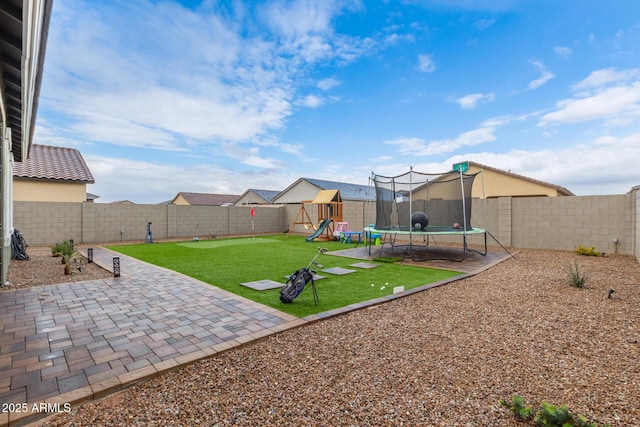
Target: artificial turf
(226, 263)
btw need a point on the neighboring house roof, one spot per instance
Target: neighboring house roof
(92, 196)
(50, 163)
(206, 199)
(562, 191)
(347, 191)
(122, 202)
(266, 196)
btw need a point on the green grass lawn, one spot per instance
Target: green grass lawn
(226, 263)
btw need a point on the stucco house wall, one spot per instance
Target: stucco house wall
(49, 191)
(493, 182)
(250, 199)
(298, 192)
(180, 201)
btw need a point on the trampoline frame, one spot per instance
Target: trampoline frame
(412, 250)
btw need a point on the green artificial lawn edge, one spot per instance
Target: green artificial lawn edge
(225, 263)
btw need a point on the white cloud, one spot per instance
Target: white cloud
(621, 101)
(305, 28)
(413, 146)
(483, 24)
(158, 182)
(419, 147)
(426, 64)
(471, 101)
(158, 75)
(582, 175)
(297, 18)
(501, 121)
(607, 76)
(395, 38)
(328, 83)
(312, 101)
(563, 51)
(545, 75)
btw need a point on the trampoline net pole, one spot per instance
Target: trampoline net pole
(464, 210)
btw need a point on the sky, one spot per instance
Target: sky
(162, 97)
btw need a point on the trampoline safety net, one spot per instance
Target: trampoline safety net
(445, 198)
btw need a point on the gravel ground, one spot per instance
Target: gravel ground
(44, 269)
(443, 357)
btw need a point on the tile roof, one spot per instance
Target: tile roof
(50, 163)
(206, 199)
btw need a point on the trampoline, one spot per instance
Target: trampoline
(443, 198)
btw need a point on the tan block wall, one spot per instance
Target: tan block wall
(128, 222)
(636, 229)
(45, 223)
(566, 222)
(538, 222)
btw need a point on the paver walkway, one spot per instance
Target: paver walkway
(79, 341)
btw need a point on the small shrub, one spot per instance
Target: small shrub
(588, 251)
(68, 254)
(577, 277)
(551, 415)
(582, 421)
(518, 408)
(547, 416)
(62, 249)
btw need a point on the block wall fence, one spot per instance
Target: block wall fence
(560, 223)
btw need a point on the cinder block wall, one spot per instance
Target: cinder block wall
(124, 222)
(636, 229)
(44, 223)
(566, 222)
(538, 222)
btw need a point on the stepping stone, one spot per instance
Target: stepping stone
(263, 285)
(338, 271)
(364, 265)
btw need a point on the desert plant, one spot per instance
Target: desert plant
(67, 253)
(60, 249)
(551, 415)
(577, 277)
(547, 416)
(70, 258)
(517, 407)
(588, 251)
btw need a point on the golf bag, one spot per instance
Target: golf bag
(299, 279)
(296, 284)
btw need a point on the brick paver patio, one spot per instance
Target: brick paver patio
(73, 342)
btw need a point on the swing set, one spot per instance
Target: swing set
(329, 210)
